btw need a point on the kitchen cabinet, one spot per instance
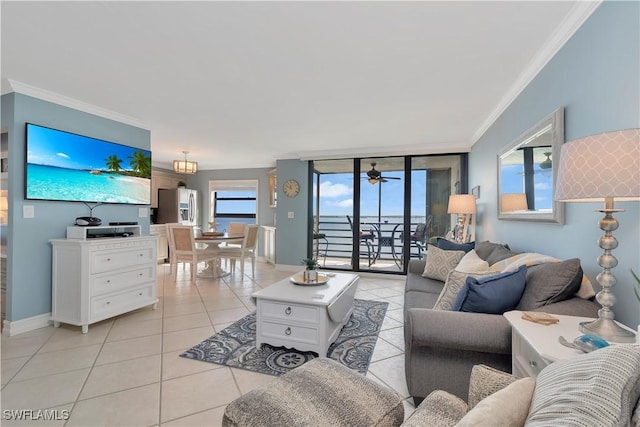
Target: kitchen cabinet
(160, 180)
(160, 230)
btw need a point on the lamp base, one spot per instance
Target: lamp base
(607, 329)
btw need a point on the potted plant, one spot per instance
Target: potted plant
(311, 271)
(182, 184)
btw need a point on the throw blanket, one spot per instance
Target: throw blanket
(530, 259)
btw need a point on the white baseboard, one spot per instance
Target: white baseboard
(26, 325)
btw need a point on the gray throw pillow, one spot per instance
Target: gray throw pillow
(594, 389)
(484, 249)
(499, 254)
(550, 282)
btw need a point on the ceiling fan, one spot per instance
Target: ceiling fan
(375, 176)
(546, 164)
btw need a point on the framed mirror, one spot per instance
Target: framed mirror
(527, 173)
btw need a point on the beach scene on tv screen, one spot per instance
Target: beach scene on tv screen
(65, 166)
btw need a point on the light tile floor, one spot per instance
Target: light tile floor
(126, 370)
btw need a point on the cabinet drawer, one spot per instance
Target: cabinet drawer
(109, 282)
(112, 260)
(526, 361)
(299, 313)
(106, 306)
(288, 332)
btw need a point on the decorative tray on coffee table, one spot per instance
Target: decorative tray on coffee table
(298, 279)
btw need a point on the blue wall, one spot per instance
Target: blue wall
(292, 233)
(29, 251)
(200, 182)
(596, 78)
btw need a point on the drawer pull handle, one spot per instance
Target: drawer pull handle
(108, 259)
(287, 311)
(287, 331)
(533, 364)
(140, 294)
(108, 281)
(108, 302)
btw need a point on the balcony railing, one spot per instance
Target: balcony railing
(387, 244)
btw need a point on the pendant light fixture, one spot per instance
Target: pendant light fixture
(185, 166)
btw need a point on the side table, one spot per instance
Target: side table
(534, 345)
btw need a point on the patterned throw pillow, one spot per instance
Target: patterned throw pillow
(472, 263)
(595, 389)
(440, 262)
(455, 282)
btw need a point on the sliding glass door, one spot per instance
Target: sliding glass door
(374, 214)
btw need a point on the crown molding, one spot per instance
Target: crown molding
(573, 21)
(75, 104)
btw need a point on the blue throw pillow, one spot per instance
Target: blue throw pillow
(493, 294)
(448, 245)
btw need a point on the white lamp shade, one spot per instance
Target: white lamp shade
(185, 166)
(601, 166)
(462, 204)
(514, 202)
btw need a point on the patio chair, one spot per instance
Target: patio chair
(317, 239)
(367, 237)
(418, 240)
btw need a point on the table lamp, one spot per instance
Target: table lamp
(463, 205)
(600, 168)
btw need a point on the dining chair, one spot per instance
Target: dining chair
(367, 237)
(172, 246)
(185, 251)
(246, 250)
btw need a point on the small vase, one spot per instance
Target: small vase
(310, 275)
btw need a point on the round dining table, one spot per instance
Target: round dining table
(213, 240)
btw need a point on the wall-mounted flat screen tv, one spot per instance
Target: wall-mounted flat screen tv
(68, 167)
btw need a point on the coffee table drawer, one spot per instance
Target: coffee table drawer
(286, 332)
(298, 313)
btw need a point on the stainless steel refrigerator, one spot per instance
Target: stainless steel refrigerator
(177, 205)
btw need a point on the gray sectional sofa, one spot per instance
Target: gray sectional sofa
(442, 346)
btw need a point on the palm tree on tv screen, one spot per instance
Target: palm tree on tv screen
(113, 163)
(141, 164)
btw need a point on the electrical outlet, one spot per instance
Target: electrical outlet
(290, 215)
(28, 211)
(142, 213)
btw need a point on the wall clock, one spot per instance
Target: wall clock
(291, 188)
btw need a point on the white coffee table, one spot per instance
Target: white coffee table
(307, 318)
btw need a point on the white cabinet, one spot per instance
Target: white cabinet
(534, 346)
(160, 230)
(269, 243)
(98, 278)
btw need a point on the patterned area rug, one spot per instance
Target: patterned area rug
(235, 345)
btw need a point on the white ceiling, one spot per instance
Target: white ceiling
(241, 84)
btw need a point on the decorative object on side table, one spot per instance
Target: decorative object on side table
(596, 168)
(311, 272)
